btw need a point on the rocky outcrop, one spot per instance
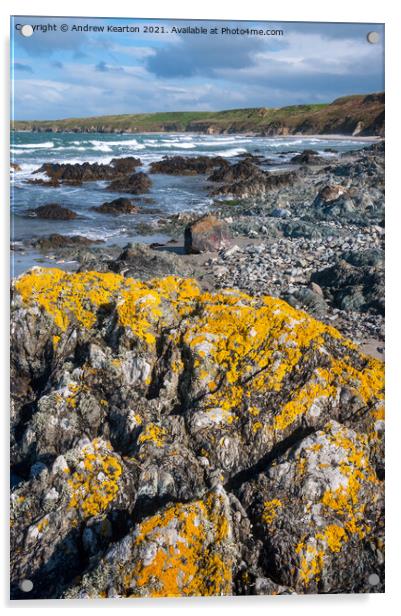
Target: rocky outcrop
(143, 262)
(355, 282)
(52, 211)
(118, 206)
(135, 184)
(188, 165)
(57, 241)
(169, 442)
(308, 157)
(76, 173)
(208, 233)
(246, 180)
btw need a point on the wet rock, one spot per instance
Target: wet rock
(53, 183)
(308, 157)
(55, 240)
(188, 165)
(206, 234)
(118, 206)
(83, 172)
(136, 184)
(257, 184)
(53, 211)
(243, 170)
(15, 167)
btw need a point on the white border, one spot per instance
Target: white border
(291, 10)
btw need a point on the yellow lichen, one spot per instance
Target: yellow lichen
(270, 510)
(95, 485)
(154, 434)
(242, 346)
(188, 560)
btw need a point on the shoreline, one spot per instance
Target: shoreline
(322, 136)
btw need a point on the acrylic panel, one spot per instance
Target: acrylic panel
(197, 310)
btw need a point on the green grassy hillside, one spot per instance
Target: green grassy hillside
(357, 114)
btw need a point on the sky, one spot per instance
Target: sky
(67, 74)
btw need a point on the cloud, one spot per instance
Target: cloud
(101, 67)
(25, 68)
(310, 63)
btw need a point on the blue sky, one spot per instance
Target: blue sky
(74, 74)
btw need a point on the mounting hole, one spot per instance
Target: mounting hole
(26, 30)
(26, 585)
(374, 579)
(373, 37)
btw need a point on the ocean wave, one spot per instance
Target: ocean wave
(34, 146)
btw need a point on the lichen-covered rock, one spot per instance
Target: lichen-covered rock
(185, 550)
(75, 496)
(154, 393)
(319, 512)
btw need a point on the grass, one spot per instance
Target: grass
(342, 115)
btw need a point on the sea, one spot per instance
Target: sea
(169, 194)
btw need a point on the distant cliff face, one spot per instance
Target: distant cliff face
(350, 115)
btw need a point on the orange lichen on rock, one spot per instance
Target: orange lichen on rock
(270, 510)
(183, 552)
(343, 504)
(95, 485)
(242, 346)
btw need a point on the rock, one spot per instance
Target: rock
(308, 157)
(206, 234)
(315, 508)
(55, 240)
(185, 550)
(143, 262)
(309, 300)
(53, 183)
(117, 206)
(316, 289)
(83, 172)
(125, 165)
(280, 212)
(358, 287)
(136, 184)
(15, 167)
(188, 165)
(53, 211)
(257, 184)
(243, 170)
(330, 193)
(164, 423)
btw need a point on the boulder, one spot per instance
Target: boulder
(117, 206)
(55, 240)
(76, 173)
(206, 234)
(187, 165)
(168, 441)
(308, 157)
(53, 211)
(136, 184)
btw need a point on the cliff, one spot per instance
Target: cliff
(349, 115)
